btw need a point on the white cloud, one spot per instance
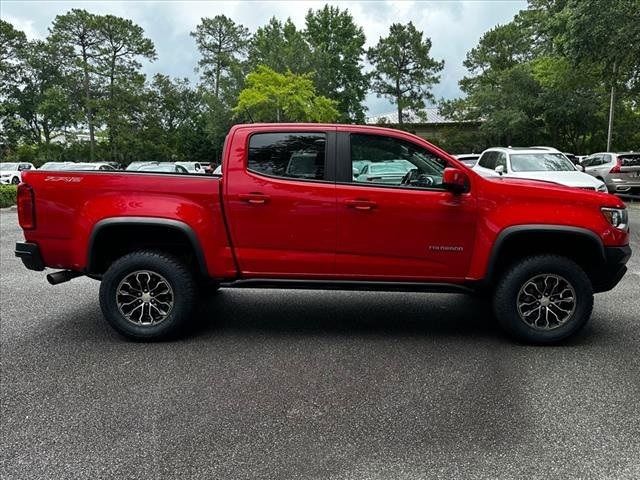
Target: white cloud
(454, 27)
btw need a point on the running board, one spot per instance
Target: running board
(348, 285)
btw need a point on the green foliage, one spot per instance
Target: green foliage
(274, 97)
(404, 71)
(76, 35)
(222, 44)
(8, 195)
(280, 47)
(606, 34)
(543, 78)
(337, 49)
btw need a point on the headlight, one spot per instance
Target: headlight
(618, 217)
(603, 188)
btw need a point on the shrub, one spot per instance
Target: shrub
(8, 195)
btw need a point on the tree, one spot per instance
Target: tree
(271, 96)
(590, 38)
(12, 42)
(76, 35)
(222, 44)
(279, 47)
(337, 49)
(403, 69)
(122, 43)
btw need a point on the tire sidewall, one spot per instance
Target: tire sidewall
(175, 274)
(505, 302)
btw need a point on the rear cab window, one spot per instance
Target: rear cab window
(293, 155)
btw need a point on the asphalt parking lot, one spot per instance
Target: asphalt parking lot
(322, 385)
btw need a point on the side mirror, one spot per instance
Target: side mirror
(499, 169)
(356, 172)
(580, 167)
(455, 180)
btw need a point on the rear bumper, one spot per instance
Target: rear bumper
(30, 255)
(623, 184)
(613, 269)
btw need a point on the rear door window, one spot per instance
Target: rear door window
(297, 155)
(394, 162)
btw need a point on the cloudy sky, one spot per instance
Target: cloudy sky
(454, 27)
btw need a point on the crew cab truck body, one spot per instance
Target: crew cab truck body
(540, 250)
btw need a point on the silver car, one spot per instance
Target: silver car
(619, 171)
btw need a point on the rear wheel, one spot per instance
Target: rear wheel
(543, 299)
(147, 295)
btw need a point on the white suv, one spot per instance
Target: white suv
(536, 163)
(11, 173)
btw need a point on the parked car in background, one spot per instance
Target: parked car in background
(133, 166)
(192, 167)
(11, 173)
(55, 165)
(165, 167)
(619, 171)
(386, 171)
(537, 163)
(87, 166)
(469, 159)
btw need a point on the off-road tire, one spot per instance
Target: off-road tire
(505, 299)
(177, 275)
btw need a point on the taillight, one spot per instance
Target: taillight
(26, 207)
(616, 167)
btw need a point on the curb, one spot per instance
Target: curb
(12, 208)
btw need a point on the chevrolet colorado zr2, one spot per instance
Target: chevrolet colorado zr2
(326, 207)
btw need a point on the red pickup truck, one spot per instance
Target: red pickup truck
(326, 207)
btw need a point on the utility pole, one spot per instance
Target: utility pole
(610, 131)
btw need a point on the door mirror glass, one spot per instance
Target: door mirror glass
(499, 169)
(455, 180)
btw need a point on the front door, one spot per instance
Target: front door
(395, 219)
(280, 202)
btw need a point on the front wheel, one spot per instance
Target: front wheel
(543, 299)
(15, 181)
(147, 295)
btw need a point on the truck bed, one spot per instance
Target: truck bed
(68, 206)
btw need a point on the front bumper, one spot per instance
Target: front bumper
(29, 253)
(613, 269)
(5, 181)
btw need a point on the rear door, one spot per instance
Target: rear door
(280, 201)
(412, 229)
(593, 164)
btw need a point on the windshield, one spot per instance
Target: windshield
(540, 162)
(8, 166)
